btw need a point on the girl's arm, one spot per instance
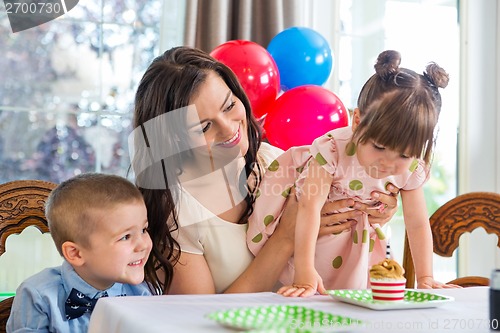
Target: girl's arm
(419, 233)
(420, 238)
(314, 194)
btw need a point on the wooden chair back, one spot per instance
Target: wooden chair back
(22, 204)
(461, 214)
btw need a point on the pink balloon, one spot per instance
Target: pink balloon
(302, 114)
(256, 70)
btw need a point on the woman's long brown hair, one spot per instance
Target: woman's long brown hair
(169, 84)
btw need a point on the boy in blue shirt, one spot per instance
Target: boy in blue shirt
(99, 225)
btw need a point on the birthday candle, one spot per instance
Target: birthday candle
(388, 253)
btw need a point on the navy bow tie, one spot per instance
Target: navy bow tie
(77, 304)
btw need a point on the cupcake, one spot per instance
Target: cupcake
(387, 281)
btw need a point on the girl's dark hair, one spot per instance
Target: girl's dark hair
(169, 84)
(399, 108)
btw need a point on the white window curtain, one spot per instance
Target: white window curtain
(479, 138)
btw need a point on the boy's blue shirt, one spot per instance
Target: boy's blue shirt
(39, 302)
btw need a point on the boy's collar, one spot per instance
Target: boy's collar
(71, 279)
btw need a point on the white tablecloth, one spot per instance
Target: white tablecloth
(467, 313)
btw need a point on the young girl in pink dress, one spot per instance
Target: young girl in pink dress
(390, 141)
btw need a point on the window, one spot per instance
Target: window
(69, 85)
(66, 97)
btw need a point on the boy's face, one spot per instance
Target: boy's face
(119, 247)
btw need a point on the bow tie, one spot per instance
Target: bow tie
(77, 304)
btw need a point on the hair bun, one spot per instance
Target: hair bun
(436, 75)
(388, 64)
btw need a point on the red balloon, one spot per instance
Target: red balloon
(256, 70)
(302, 114)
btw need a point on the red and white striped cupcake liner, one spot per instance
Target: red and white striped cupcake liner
(388, 290)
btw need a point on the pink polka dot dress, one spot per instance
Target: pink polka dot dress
(342, 260)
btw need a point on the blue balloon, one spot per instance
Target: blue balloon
(302, 56)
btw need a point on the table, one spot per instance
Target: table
(187, 313)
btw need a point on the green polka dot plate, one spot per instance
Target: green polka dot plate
(281, 319)
(412, 299)
(6, 295)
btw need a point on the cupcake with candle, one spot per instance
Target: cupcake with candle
(387, 281)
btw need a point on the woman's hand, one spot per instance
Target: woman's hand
(331, 223)
(334, 223)
(390, 202)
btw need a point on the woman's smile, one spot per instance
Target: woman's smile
(233, 141)
(221, 116)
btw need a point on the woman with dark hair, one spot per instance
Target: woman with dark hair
(198, 159)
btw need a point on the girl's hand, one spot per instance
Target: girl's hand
(428, 282)
(304, 286)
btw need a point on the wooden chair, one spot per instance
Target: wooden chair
(461, 214)
(22, 204)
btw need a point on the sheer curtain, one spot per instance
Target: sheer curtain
(479, 154)
(209, 23)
